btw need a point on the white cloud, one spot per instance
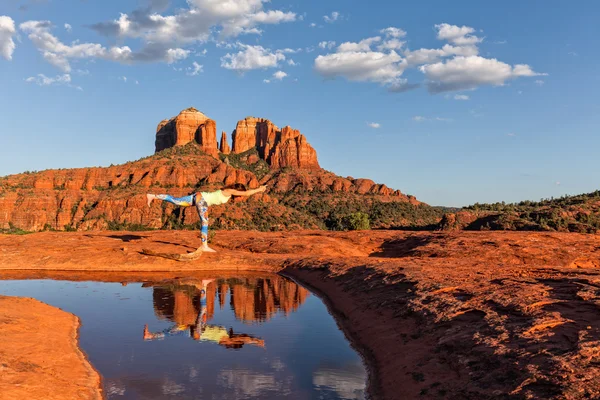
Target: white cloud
(68, 28)
(59, 54)
(332, 18)
(363, 45)
(327, 45)
(123, 78)
(312, 25)
(279, 75)
(391, 44)
(539, 82)
(266, 81)
(458, 35)
(361, 66)
(7, 31)
(374, 125)
(393, 32)
(455, 66)
(464, 73)
(227, 18)
(461, 97)
(418, 118)
(292, 63)
(163, 37)
(252, 57)
(402, 85)
(43, 80)
(195, 69)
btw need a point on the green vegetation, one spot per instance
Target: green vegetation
(13, 230)
(580, 213)
(240, 161)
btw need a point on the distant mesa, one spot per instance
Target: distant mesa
(280, 148)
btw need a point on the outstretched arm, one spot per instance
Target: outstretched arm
(247, 193)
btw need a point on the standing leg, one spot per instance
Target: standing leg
(202, 208)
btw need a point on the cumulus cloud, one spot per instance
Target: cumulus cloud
(195, 69)
(418, 118)
(59, 54)
(332, 18)
(43, 80)
(361, 66)
(454, 66)
(68, 28)
(357, 61)
(7, 31)
(279, 75)
(292, 63)
(393, 32)
(228, 18)
(461, 97)
(363, 45)
(252, 57)
(402, 85)
(327, 44)
(163, 38)
(460, 36)
(374, 125)
(465, 73)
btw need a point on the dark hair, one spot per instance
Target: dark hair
(236, 186)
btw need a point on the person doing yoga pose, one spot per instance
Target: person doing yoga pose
(202, 200)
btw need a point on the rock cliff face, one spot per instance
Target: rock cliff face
(190, 125)
(187, 160)
(279, 148)
(224, 147)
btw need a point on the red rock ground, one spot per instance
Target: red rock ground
(39, 357)
(467, 315)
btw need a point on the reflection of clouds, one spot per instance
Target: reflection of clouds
(246, 383)
(348, 384)
(170, 388)
(114, 389)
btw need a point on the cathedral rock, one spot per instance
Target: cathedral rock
(280, 148)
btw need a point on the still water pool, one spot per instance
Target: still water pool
(242, 337)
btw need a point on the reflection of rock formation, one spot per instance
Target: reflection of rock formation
(181, 303)
(259, 299)
(252, 299)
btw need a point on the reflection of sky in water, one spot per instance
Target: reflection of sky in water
(305, 356)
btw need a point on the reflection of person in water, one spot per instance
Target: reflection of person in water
(201, 331)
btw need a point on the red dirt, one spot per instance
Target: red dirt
(469, 315)
(39, 357)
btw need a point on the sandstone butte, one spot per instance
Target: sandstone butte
(91, 198)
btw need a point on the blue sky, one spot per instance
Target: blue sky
(453, 102)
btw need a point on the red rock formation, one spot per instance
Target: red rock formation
(188, 126)
(95, 198)
(224, 147)
(285, 148)
(252, 133)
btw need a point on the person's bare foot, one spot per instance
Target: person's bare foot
(149, 198)
(207, 249)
